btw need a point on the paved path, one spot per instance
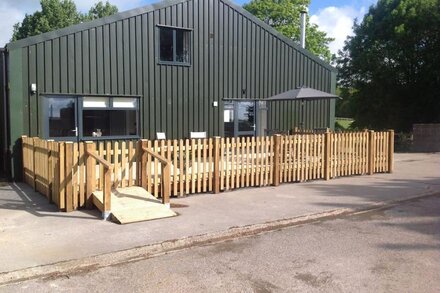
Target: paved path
(32, 233)
(394, 250)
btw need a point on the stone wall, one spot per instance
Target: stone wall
(426, 137)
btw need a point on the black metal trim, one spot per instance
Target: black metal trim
(173, 63)
(79, 117)
(175, 27)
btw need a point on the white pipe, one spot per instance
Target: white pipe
(302, 39)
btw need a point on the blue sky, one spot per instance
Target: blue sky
(332, 16)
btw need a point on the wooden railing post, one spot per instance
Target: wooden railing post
(107, 193)
(391, 151)
(143, 166)
(276, 159)
(216, 177)
(34, 175)
(24, 157)
(166, 175)
(139, 153)
(69, 176)
(327, 155)
(90, 174)
(50, 171)
(371, 152)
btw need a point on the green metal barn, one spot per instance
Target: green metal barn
(175, 67)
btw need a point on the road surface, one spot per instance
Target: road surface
(393, 250)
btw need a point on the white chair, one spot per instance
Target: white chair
(161, 135)
(197, 134)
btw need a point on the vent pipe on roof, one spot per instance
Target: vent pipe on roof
(302, 38)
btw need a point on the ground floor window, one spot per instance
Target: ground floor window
(90, 117)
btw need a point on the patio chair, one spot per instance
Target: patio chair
(161, 136)
(197, 134)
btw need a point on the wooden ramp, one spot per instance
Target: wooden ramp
(133, 204)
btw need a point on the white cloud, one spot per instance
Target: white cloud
(337, 22)
(13, 11)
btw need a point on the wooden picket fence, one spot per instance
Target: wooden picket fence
(68, 172)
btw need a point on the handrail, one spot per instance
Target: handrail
(91, 158)
(100, 159)
(157, 156)
(166, 172)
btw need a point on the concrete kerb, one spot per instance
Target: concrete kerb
(92, 263)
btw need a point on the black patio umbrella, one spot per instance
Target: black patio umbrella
(302, 94)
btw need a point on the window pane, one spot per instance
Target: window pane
(182, 46)
(246, 113)
(109, 123)
(96, 102)
(61, 112)
(229, 119)
(166, 44)
(125, 103)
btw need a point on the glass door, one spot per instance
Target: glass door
(245, 119)
(239, 118)
(61, 113)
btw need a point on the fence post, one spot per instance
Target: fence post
(327, 157)
(166, 174)
(143, 166)
(90, 174)
(107, 193)
(138, 162)
(371, 153)
(50, 171)
(391, 151)
(217, 163)
(276, 159)
(69, 176)
(34, 177)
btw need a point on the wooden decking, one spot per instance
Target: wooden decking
(133, 204)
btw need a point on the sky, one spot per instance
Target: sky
(335, 17)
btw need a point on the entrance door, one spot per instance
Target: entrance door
(61, 112)
(240, 118)
(245, 119)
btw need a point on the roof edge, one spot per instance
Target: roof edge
(91, 24)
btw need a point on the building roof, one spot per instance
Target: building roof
(148, 8)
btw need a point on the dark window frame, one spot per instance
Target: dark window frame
(45, 117)
(79, 98)
(174, 29)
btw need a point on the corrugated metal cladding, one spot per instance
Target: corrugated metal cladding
(3, 116)
(233, 55)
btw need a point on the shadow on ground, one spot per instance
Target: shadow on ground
(20, 197)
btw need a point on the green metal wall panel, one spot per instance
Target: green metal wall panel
(18, 105)
(3, 115)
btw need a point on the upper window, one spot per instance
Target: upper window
(174, 45)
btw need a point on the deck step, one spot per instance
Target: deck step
(133, 204)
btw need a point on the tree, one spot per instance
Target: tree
(392, 65)
(284, 16)
(56, 14)
(101, 10)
